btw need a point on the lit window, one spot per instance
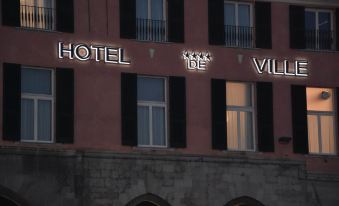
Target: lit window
(38, 14)
(151, 20)
(239, 29)
(239, 113)
(37, 105)
(321, 120)
(152, 111)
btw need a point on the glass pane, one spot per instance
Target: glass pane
(143, 126)
(327, 134)
(151, 89)
(245, 131)
(232, 130)
(27, 119)
(238, 94)
(244, 15)
(36, 81)
(310, 20)
(44, 120)
(158, 124)
(157, 9)
(324, 21)
(313, 133)
(320, 99)
(142, 9)
(229, 14)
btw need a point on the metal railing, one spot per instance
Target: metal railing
(37, 17)
(239, 36)
(151, 30)
(319, 40)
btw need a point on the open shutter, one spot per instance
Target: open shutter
(265, 116)
(128, 19)
(299, 119)
(216, 27)
(177, 108)
(64, 105)
(337, 108)
(263, 26)
(297, 27)
(10, 12)
(11, 101)
(337, 28)
(129, 109)
(176, 26)
(65, 15)
(218, 94)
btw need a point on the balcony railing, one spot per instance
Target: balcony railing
(319, 40)
(37, 17)
(239, 36)
(151, 30)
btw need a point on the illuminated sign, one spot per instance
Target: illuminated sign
(83, 52)
(197, 60)
(271, 66)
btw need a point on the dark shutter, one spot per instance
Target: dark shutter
(176, 26)
(11, 101)
(337, 27)
(128, 19)
(65, 15)
(177, 112)
(337, 108)
(129, 109)
(64, 105)
(263, 28)
(218, 93)
(216, 27)
(299, 119)
(10, 12)
(265, 116)
(297, 27)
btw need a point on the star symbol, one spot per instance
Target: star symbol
(201, 56)
(186, 55)
(208, 57)
(194, 55)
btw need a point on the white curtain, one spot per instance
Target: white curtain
(143, 126)
(27, 119)
(44, 120)
(158, 124)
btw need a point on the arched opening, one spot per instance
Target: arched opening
(7, 202)
(10, 198)
(148, 200)
(244, 201)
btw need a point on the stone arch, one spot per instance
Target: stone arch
(148, 200)
(10, 198)
(244, 201)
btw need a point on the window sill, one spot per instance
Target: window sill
(318, 51)
(36, 30)
(152, 149)
(325, 156)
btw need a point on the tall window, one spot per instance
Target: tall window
(239, 30)
(37, 104)
(151, 20)
(321, 120)
(319, 29)
(240, 116)
(38, 14)
(152, 111)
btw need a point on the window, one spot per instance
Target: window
(151, 20)
(238, 21)
(37, 104)
(152, 111)
(240, 116)
(321, 120)
(319, 29)
(38, 14)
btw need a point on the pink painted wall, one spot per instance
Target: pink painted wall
(97, 86)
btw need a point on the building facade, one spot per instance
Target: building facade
(169, 102)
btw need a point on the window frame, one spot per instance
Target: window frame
(237, 3)
(36, 98)
(252, 109)
(150, 105)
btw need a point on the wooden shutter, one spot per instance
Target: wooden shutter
(11, 101)
(297, 27)
(10, 12)
(129, 109)
(177, 110)
(299, 119)
(265, 116)
(263, 28)
(176, 26)
(128, 19)
(337, 108)
(64, 105)
(219, 129)
(337, 28)
(65, 15)
(216, 27)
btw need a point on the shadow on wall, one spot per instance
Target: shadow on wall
(10, 198)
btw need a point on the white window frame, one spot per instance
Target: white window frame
(149, 9)
(150, 105)
(36, 98)
(239, 109)
(316, 11)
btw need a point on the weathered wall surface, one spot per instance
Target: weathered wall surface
(58, 178)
